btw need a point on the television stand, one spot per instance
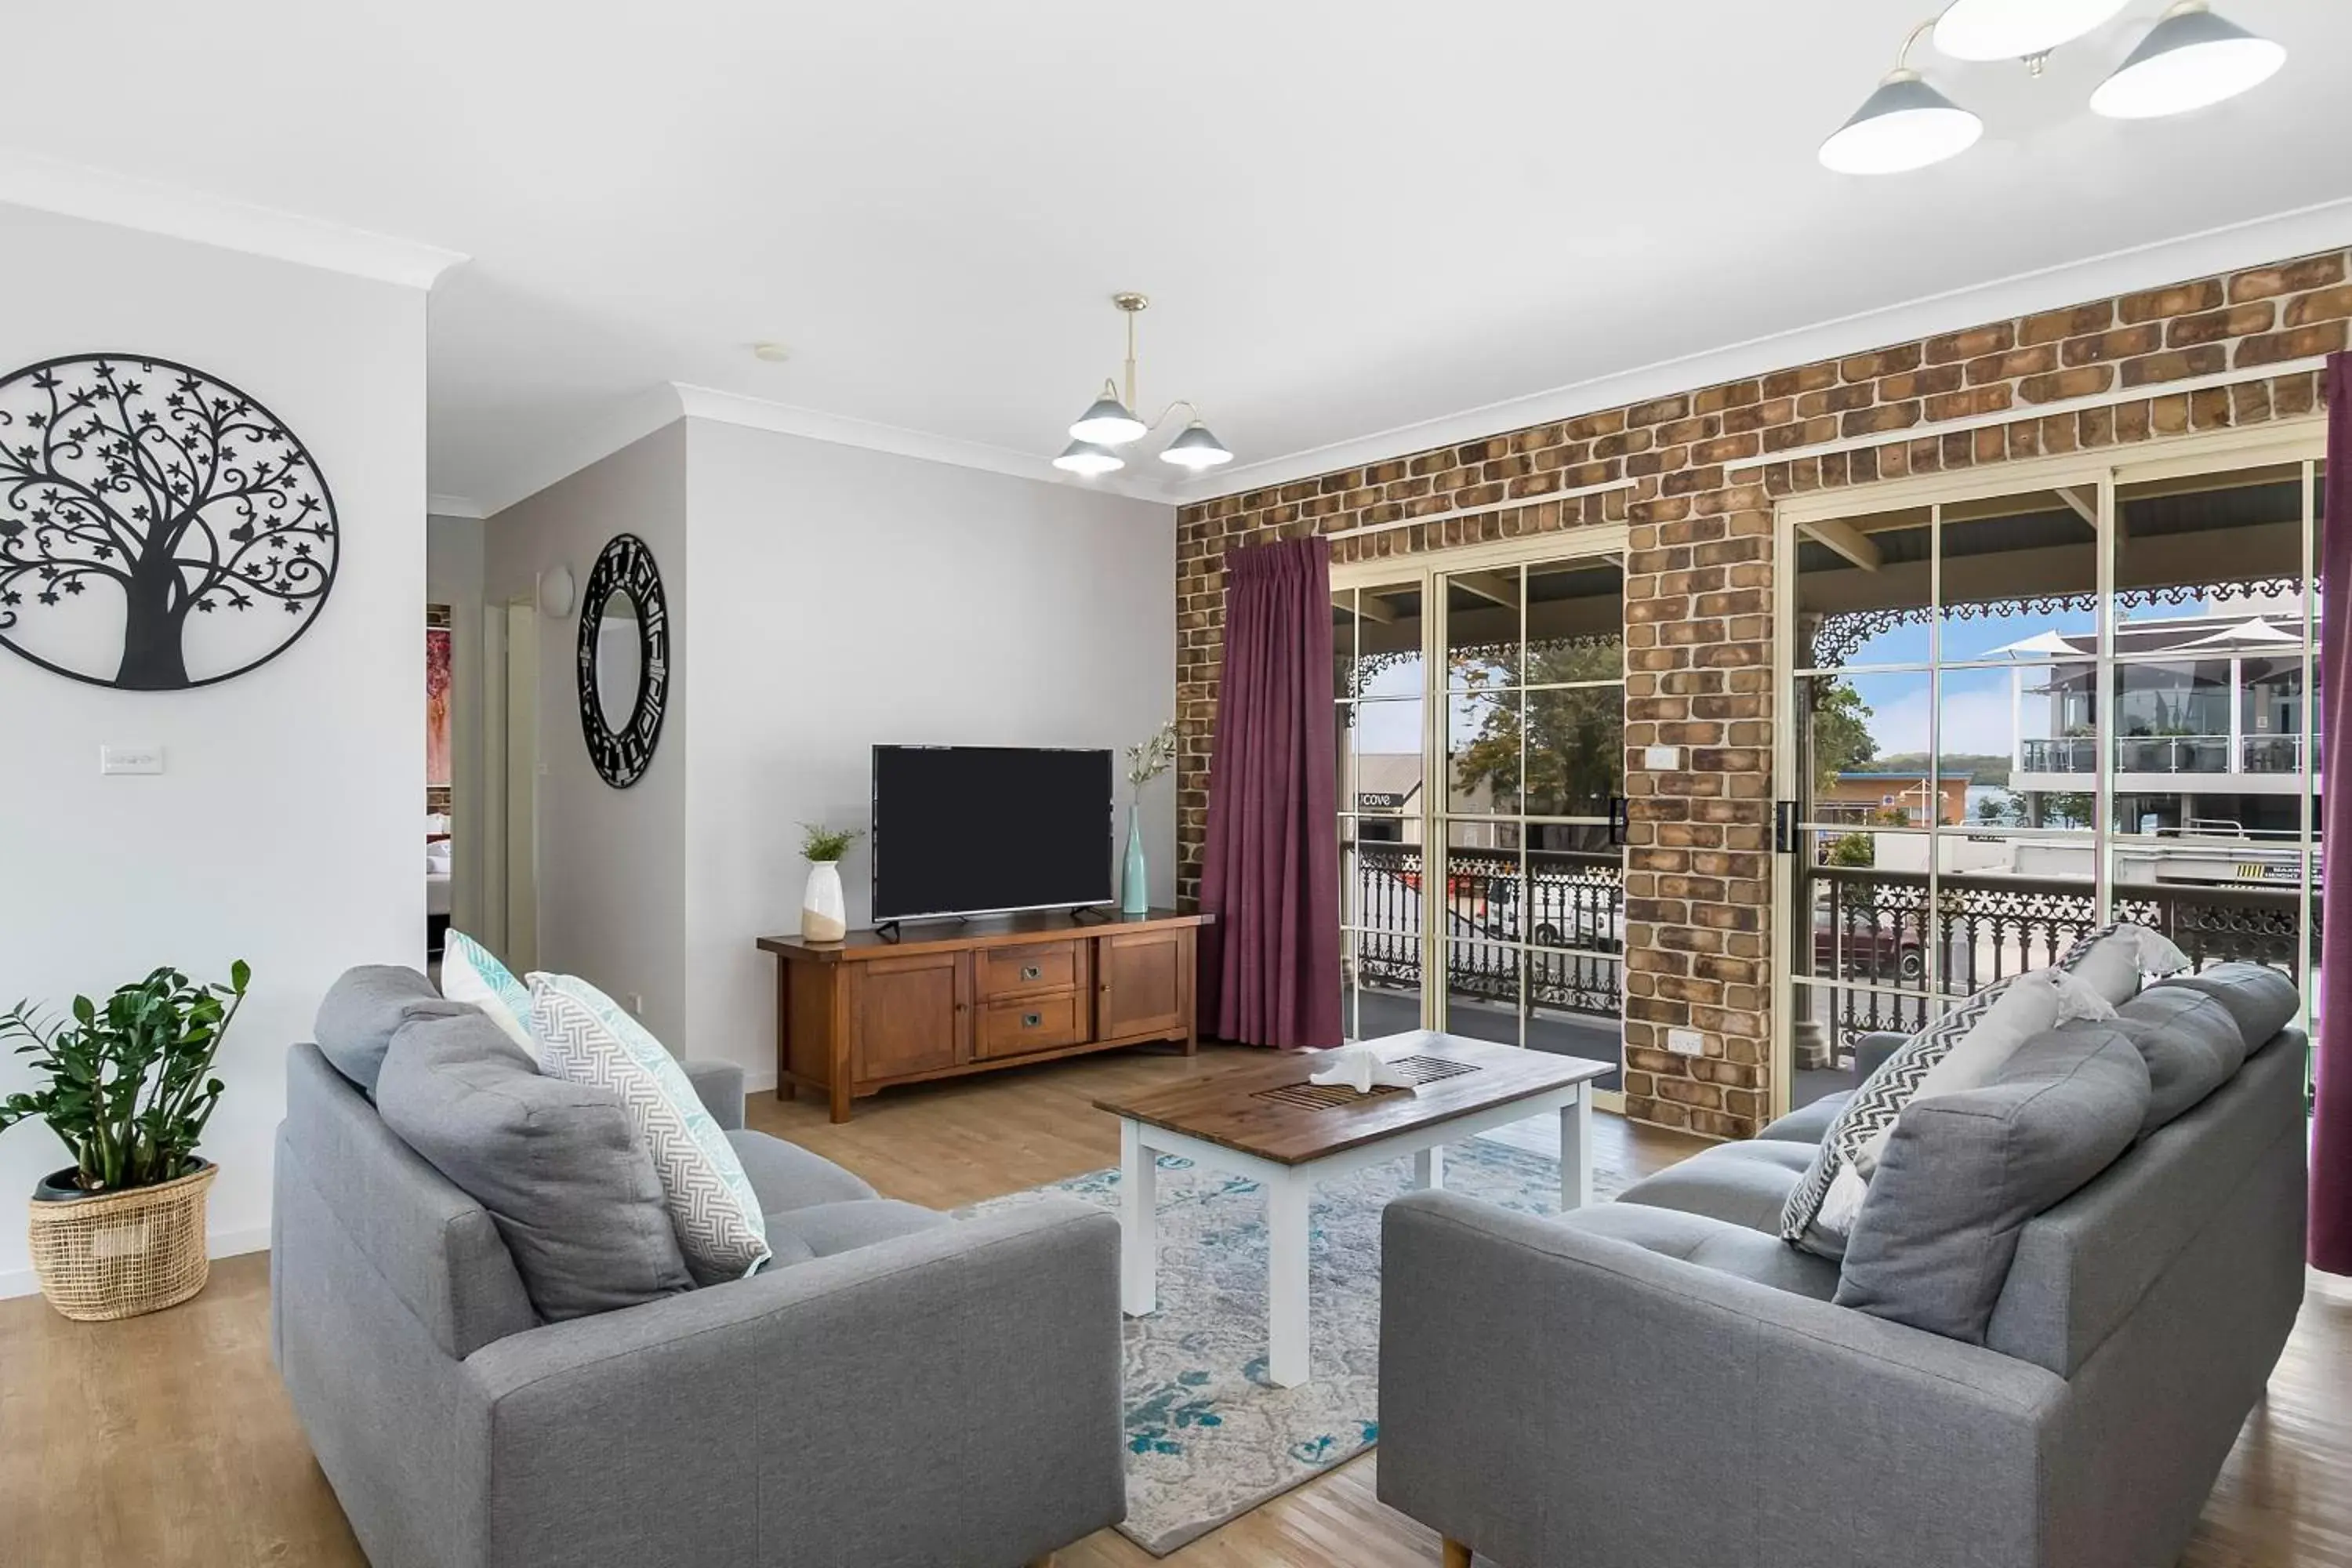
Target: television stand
(882, 1006)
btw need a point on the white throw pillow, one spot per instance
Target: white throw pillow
(586, 1037)
(2119, 957)
(1963, 1049)
(472, 973)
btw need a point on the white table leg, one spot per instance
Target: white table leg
(1576, 1151)
(1429, 1168)
(1287, 1237)
(1139, 1246)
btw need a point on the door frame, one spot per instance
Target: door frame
(1423, 568)
(2109, 470)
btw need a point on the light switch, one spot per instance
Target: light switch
(1663, 759)
(130, 759)
(1686, 1042)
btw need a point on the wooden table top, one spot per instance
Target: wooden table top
(986, 930)
(1269, 1109)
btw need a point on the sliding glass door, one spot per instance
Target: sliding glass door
(2023, 704)
(1480, 745)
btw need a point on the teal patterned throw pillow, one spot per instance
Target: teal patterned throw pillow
(471, 973)
(586, 1037)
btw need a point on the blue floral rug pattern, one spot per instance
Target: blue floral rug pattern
(1208, 1437)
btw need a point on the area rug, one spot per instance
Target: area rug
(1208, 1437)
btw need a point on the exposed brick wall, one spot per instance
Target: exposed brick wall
(1698, 587)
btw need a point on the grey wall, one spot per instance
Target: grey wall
(611, 863)
(843, 597)
(453, 576)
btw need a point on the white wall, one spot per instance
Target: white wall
(611, 866)
(844, 597)
(453, 576)
(284, 829)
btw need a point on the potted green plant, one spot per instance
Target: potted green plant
(1145, 762)
(127, 1086)
(824, 916)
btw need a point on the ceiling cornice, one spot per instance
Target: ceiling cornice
(2279, 238)
(788, 419)
(127, 201)
(630, 420)
(453, 506)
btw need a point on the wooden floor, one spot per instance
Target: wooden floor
(166, 1441)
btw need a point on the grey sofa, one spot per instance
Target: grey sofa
(1661, 1382)
(946, 1395)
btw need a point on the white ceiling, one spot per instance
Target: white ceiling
(1354, 216)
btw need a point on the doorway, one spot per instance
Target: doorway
(2028, 702)
(510, 772)
(1479, 747)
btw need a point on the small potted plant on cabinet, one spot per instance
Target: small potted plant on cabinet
(128, 1086)
(824, 917)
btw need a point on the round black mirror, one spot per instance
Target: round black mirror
(624, 661)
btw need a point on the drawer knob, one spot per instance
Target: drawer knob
(1031, 1020)
(1031, 971)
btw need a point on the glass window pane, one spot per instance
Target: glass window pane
(2054, 781)
(1484, 898)
(1381, 986)
(1576, 622)
(1575, 750)
(1863, 590)
(1484, 986)
(1383, 877)
(1576, 888)
(1862, 744)
(1481, 629)
(1388, 736)
(1483, 754)
(2020, 576)
(2198, 554)
(1388, 641)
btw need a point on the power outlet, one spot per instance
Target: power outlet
(637, 1005)
(1686, 1042)
(130, 759)
(1663, 759)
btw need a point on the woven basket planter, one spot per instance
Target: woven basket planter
(117, 1255)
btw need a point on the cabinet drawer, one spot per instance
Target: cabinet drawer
(1018, 970)
(1033, 1024)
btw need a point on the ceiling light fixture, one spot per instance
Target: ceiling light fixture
(2018, 29)
(773, 352)
(1904, 125)
(1111, 421)
(2190, 59)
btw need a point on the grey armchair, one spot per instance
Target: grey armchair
(945, 1397)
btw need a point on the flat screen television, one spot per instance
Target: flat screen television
(968, 830)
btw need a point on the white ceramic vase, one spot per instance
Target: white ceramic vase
(824, 916)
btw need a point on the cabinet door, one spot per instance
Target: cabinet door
(1146, 985)
(910, 1016)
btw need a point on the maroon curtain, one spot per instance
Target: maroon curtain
(2331, 1138)
(1270, 962)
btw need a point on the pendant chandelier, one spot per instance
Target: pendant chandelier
(2190, 59)
(1111, 423)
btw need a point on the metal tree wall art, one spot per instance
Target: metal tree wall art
(159, 528)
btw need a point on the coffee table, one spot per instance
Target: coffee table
(1267, 1122)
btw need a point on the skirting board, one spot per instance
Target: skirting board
(763, 1081)
(217, 1244)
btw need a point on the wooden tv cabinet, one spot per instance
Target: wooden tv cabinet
(941, 1000)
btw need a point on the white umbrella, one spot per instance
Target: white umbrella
(2041, 645)
(2256, 631)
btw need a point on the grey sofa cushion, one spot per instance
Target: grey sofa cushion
(1964, 1171)
(360, 1011)
(1808, 1124)
(556, 1165)
(820, 1230)
(787, 1176)
(2190, 1044)
(1727, 1248)
(1745, 1185)
(2262, 1000)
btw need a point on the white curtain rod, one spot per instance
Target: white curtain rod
(2020, 415)
(2012, 415)
(1482, 510)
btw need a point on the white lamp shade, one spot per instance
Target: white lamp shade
(1196, 449)
(1904, 125)
(1085, 458)
(2190, 59)
(2017, 29)
(1106, 423)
